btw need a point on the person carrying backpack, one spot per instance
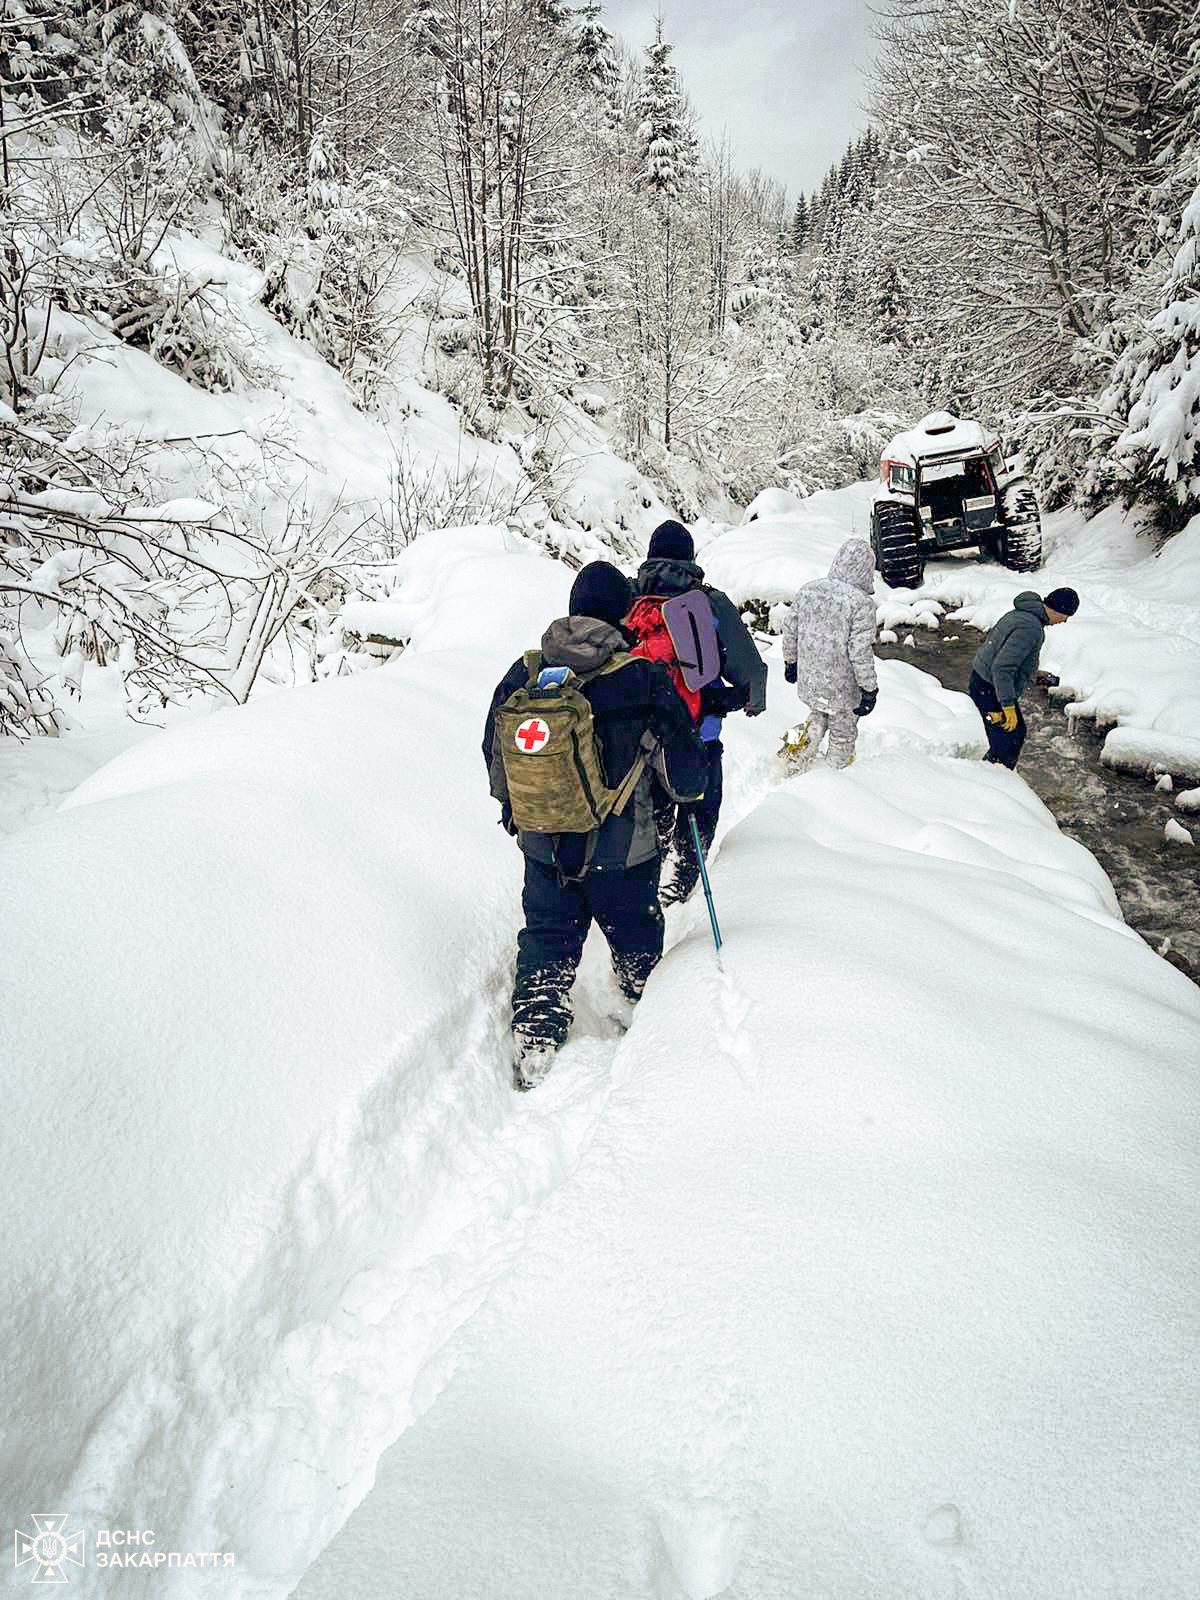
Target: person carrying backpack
(738, 681)
(827, 654)
(570, 735)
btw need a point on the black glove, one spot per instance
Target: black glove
(506, 821)
(789, 672)
(719, 699)
(866, 705)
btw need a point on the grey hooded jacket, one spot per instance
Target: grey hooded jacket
(1008, 657)
(830, 629)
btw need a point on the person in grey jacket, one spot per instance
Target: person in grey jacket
(1006, 661)
(827, 654)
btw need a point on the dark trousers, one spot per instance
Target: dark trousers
(675, 831)
(625, 907)
(1003, 748)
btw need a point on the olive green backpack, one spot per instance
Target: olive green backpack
(545, 739)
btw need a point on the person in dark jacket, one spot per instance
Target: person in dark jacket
(670, 569)
(1006, 661)
(616, 885)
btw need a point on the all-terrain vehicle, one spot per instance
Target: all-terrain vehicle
(947, 487)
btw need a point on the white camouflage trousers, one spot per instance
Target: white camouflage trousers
(842, 727)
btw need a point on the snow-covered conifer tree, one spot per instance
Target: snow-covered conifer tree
(1155, 386)
(800, 226)
(663, 136)
(595, 54)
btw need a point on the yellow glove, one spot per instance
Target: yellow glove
(1006, 718)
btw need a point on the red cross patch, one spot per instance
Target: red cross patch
(531, 735)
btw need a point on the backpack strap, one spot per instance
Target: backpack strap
(619, 659)
(646, 752)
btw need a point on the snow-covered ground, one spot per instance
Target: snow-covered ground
(864, 1264)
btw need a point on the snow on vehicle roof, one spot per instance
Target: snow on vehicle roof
(936, 434)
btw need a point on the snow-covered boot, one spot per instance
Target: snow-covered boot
(532, 1060)
(681, 883)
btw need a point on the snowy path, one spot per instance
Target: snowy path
(853, 1294)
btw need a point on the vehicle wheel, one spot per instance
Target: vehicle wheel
(1021, 542)
(894, 541)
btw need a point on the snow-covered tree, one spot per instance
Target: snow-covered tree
(1022, 141)
(664, 142)
(1155, 385)
(889, 306)
(596, 55)
(799, 226)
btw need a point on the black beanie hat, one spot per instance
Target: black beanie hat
(671, 541)
(1064, 601)
(601, 591)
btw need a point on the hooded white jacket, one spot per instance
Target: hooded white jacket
(830, 629)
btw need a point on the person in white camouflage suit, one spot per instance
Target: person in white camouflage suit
(827, 653)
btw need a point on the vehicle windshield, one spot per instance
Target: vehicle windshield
(946, 484)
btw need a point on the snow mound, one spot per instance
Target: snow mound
(937, 434)
(1149, 750)
(243, 1174)
(773, 503)
(771, 558)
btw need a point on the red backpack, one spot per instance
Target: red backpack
(675, 649)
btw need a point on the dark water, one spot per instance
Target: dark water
(1119, 817)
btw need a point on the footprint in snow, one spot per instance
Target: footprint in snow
(943, 1527)
(702, 1543)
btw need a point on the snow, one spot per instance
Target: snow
(865, 1255)
(880, 1298)
(770, 559)
(773, 503)
(1139, 750)
(952, 433)
(1177, 833)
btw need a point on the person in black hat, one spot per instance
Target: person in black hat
(1006, 661)
(670, 569)
(611, 875)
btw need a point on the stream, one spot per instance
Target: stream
(1118, 816)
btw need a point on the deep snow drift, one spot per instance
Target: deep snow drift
(869, 1260)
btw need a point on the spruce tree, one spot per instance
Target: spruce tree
(800, 226)
(1155, 384)
(664, 141)
(595, 55)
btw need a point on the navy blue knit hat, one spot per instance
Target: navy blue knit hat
(1064, 601)
(601, 591)
(671, 541)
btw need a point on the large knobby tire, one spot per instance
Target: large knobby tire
(1021, 542)
(894, 541)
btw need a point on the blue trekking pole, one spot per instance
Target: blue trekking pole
(712, 910)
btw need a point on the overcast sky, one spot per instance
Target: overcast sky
(784, 77)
